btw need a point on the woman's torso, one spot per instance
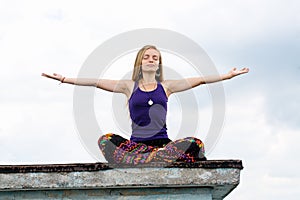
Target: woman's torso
(148, 120)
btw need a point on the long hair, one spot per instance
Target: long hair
(137, 70)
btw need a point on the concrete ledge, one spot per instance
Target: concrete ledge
(211, 179)
(78, 167)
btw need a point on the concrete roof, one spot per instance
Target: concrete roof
(222, 176)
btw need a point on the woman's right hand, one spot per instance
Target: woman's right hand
(55, 76)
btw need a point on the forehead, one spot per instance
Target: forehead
(151, 52)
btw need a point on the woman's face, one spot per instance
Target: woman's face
(150, 60)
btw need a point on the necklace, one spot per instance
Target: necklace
(150, 102)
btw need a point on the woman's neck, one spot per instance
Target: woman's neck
(148, 78)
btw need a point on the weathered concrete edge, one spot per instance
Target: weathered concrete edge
(117, 178)
(104, 194)
(79, 167)
(221, 176)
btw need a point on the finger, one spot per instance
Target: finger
(246, 69)
(50, 76)
(46, 75)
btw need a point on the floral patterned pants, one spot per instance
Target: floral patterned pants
(119, 150)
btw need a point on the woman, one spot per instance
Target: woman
(147, 95)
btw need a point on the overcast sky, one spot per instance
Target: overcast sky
(262, 108)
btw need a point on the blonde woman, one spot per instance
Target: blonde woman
(147, 95)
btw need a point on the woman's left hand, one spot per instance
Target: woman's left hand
(235, 72)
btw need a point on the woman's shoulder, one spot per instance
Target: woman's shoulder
(127, 81)
(165, 85)
(129, 85)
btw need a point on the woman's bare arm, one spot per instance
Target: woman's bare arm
(173, 86)
(118, 86)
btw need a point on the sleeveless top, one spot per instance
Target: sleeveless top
(148, 121)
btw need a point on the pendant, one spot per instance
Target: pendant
(150, 102)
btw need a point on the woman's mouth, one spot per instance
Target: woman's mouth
(151, 65)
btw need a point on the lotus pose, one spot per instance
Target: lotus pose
(147, 93)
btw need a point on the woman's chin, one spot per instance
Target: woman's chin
(149, 70)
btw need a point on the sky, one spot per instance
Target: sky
(262, 117)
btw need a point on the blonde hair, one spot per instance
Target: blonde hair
(136, 75)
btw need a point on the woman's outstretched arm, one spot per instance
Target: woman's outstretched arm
(119, 86)
(173, 86)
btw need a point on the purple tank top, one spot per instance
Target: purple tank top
(148, 121)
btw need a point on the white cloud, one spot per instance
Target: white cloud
(268, 151)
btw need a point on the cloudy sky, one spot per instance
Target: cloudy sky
(262, 108)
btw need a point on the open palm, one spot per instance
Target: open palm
(54, 76)
(235, 72)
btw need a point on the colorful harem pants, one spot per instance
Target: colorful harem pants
(119, 150)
